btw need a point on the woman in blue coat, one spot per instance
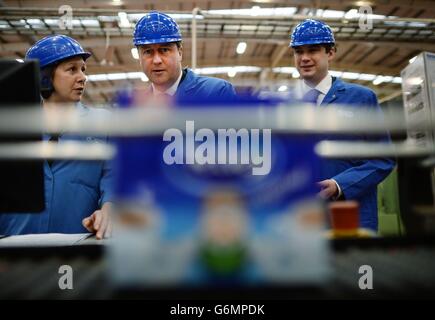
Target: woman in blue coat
(77, 193)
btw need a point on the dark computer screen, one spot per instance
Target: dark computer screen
(22, 180)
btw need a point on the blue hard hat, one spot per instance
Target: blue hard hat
(156, 27)
(311, 31)
(55, 48)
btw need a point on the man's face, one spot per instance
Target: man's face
(312, 62)
(161, 63)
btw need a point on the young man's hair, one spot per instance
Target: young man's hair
(329, 46)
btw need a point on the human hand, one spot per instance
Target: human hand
(328, 189)
(100, 222)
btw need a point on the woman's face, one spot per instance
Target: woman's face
(69, 81)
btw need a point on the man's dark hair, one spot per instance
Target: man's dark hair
(329, 46)
(177, 43)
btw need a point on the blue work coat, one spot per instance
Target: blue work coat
(74, 189)
(194, 87)
(358, 178)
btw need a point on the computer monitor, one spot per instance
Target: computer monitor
(22, 181)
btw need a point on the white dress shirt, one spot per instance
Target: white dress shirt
(323, 87)
(171, 90)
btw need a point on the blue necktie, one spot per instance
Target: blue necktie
(311, 96)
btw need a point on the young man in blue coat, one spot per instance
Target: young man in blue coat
(159, 42)
(314, 48)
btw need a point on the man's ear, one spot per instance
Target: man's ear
(180, 52)
(331, 54)
(139, 50)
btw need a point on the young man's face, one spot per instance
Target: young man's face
(312, 62)
(161, 63)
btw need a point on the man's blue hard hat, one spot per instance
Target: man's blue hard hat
(55, 48)
(311, 31)
(156, 27)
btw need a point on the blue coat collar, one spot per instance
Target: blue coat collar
(338, 88)
(189, 81)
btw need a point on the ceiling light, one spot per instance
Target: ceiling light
(241, 48)
(135, 53)
(255, 11)
(352, 14)
(378, 80)
(232, 73)
(363, 3)
(123, 20)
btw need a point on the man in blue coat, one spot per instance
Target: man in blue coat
(314, 48)
(159, 42)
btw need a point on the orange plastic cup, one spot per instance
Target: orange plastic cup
(344, 216)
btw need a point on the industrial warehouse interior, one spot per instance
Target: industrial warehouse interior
(174, 150)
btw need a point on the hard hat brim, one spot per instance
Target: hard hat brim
(305, 43)
(141, 42)
(84, 55)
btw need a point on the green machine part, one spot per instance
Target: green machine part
(390, 223)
